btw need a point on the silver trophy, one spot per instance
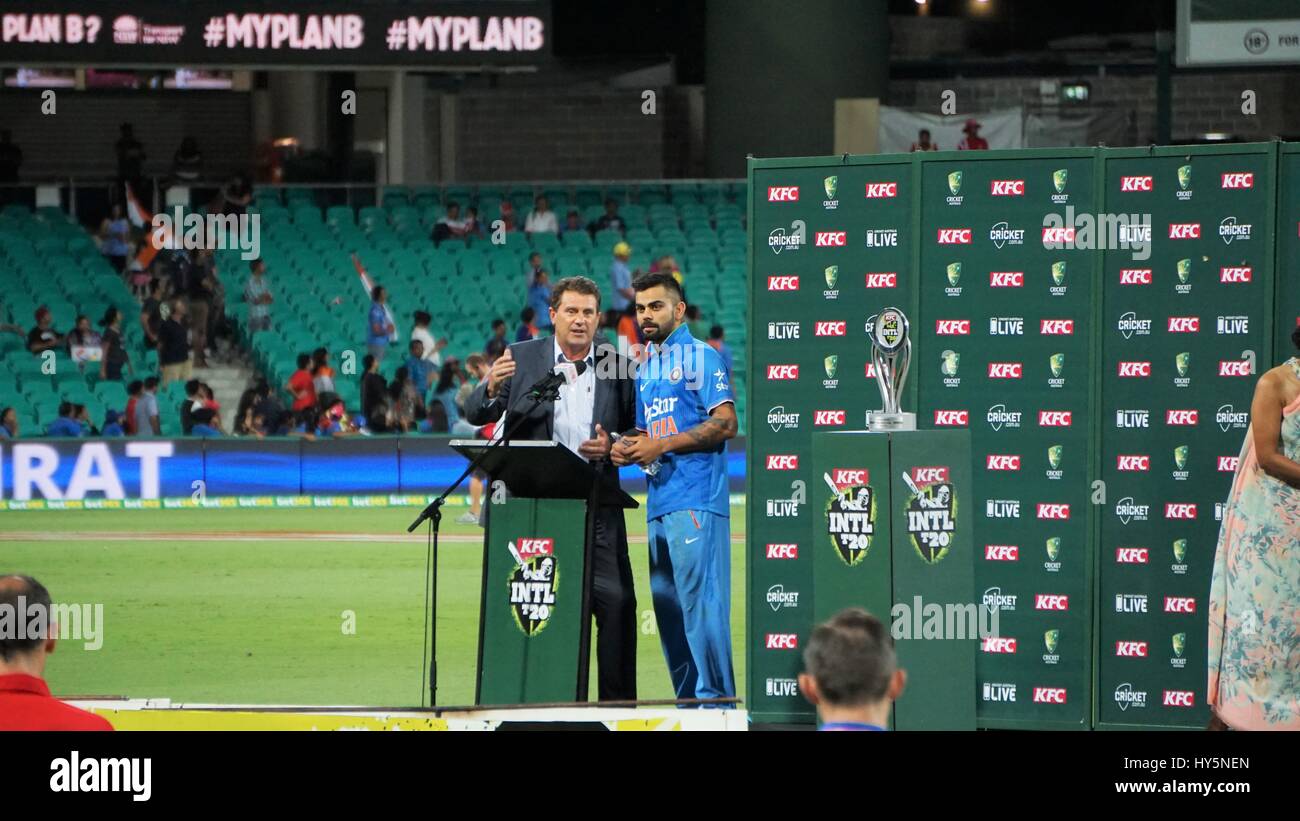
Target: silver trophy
(891, 354)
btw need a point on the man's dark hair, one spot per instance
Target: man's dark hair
(452, 204)
(925, 131)
(34, 596)
(65, 408)
(423, 318)
(192, 387)
(647, 281)
(715, 332)
(536, 254)
(135, 387)
(852, 659)
(579, 285)
(498, 323)
(375, 292)
(151, 383)
(367, 361)
(203, 416)
(527, 315)
(304, 359)
(254, 264)
(415, 342)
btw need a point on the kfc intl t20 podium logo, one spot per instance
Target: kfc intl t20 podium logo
(931, 512)
(850, 513)
(533, 581)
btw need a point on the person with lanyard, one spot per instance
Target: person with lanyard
(851, 673)
(685, 414)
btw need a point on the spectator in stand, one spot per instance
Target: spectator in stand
(43, 337)
(379, 324)
(322, 375)
(541, 220)
(8, 424)
(301, 385)
(373, 391)
(189, 404)
(203, 423)
(174, 345)
(717, 344)
(527, 328)
(432, 348)
(534, 268)
(445, 393)
(114, 356)
(115, 238)
(236, 195)
(473, 226)
(923, 142)
(25, 700)
(496, 344)
(67, 423)
(137, 275)
(202, 291)
(851, 672)
(151, 311)
(187, 162)
(620, 278)
(451, 225)
(508, 223)
(130, 160)
(629, 328)
(418, 368)
(573, 222)
(403, 402)
(11, 159)
(539, 300)
(608, 220)
(133, 393)
(112, 424)
(258, 296)
(146, 409)
(477, 367)
(84, 344)
(972, 141)
(695, 323)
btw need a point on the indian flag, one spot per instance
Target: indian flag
(142, 219)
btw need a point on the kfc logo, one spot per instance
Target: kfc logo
(1180, 510)
(951, 418)
(1132, 555)
(781, 461)
(1046, 601)
(999, 644)
(831, 239)
(1135, 369)
(1049, 695)
(1007, 188)
(1046, 511)
(1054, 419)
(783, 551)
(1002, 461)
(1136, 183)
(1237, 180)
(1005, 370)
(1001, 552)
(882, 280)
(1182, 417)
(839, 328)
(1184, 230)
(1184, 324)
(1056, 327)
(1179, 698)
(1228, 464)
(954, 236)
(849, 477)
(1131, 649)
(782, 641)
(952, 327)
(1135, 276)
(929, 475)
(1180, 604)
(783, 282)
(1234, 367)
(828, 417)
(878, 190)
(1134, 463)
(783, 193)
(1057, 236)
(782, 372)
(1234, 276)
(1006, 279)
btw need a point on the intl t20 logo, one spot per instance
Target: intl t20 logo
(850, 513)
(533, 582)
(931, 512)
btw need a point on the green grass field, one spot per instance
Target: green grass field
(246, 606)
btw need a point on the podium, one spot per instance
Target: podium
(895, 534)
(535, 602)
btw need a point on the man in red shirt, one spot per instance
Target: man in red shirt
(972, 141)
(301, 385)
(25, 700)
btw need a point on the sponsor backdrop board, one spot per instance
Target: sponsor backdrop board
(1183, 334)
(1036, 343)
(832, 244)
(1004, 342)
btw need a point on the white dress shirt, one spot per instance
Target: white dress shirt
(573, 410)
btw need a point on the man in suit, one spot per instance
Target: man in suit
(601, 401)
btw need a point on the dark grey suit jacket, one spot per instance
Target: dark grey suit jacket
(615, 395)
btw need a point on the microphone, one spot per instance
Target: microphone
(564, 373)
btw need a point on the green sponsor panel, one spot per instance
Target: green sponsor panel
(532, 602)
(894, 535)
(1288, 251)
(1184, 332)
(831, 244)
(1006, 352)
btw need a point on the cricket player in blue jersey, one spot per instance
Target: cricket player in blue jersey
(685, 413)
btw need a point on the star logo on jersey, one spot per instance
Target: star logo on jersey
(721, 376)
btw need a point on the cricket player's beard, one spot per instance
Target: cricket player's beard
(658, 333)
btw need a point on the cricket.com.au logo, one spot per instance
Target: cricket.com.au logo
(780, 239)
(533, 582)
(850, 513)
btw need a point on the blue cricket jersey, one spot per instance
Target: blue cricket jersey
(681, 381)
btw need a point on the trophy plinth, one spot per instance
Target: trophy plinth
(881, 422)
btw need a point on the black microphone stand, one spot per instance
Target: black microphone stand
(548, 390)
